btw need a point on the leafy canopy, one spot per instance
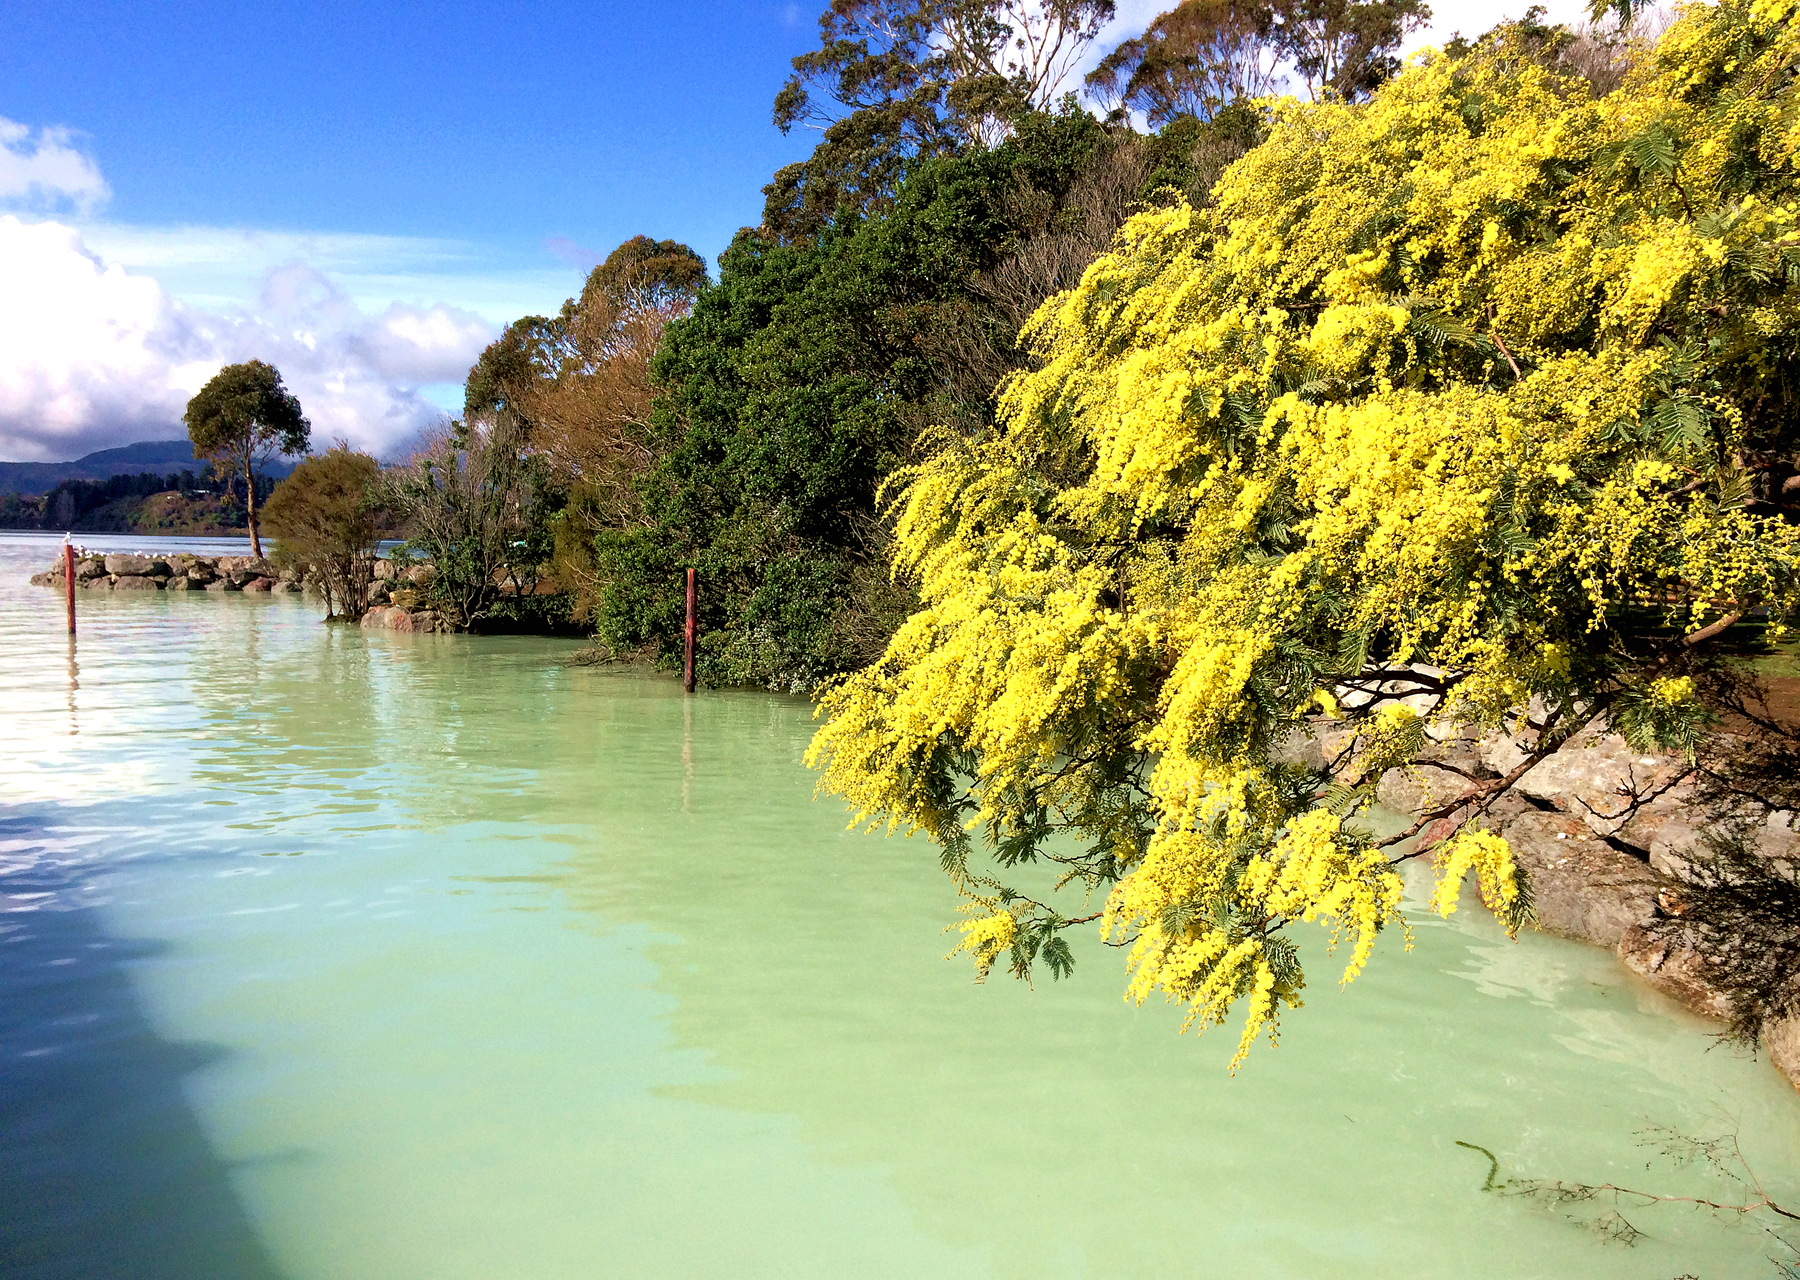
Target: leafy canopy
(1471, 405)
(246, 410)
(803, 378)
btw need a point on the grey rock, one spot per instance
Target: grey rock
(1415, 789)
(136, 582)
(128, 565)
(1675, 969)
(221, 584)
(182, 583)
(1583, 888)
(1781, 1037)
(384, 570)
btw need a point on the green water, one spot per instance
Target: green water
(329, 955)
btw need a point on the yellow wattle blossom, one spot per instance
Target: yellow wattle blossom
(1426, 422)
(1473, 849)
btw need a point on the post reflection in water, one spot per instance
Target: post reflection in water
(687, 754)
(570, 978)
(74, 684)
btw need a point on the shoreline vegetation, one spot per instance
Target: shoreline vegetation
(1157, 505)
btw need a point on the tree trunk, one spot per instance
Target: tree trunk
(250, 508)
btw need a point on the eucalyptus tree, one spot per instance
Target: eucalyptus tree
(897, 81)
(1195, 60)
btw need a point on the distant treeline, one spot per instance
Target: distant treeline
(66, 505)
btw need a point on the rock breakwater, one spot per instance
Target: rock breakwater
(132, 571)
(394, 595)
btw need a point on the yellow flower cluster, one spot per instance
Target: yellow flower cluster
(1472, 849)
(986, 937)
(1450, 382)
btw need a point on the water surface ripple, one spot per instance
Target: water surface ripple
(331, 956)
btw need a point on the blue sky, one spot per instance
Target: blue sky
(362, 194)
(492, 131)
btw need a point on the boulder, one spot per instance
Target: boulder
(45, 579)
(1675, 969)
(90, 568)
(420, 575)
(127, 565)
(221, 584)
(161, 569)
(1448, 769)
(201, 573)
(393, 618)
(424, 622)
(384, 570)
(136, 582)
(378, 592)
(379, 617)
(181, 582)
(1583, 888)
(1781, 1037)
(285, 587)
(1619, 793)
(96, 584)
(405, 598)
(259, 584)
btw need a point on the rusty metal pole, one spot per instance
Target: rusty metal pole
(69, 581)
(687, 645)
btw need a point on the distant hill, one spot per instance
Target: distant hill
(160, 457)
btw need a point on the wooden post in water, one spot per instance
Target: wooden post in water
(69, 581)
(686, 649)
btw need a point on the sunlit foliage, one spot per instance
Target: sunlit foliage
(1468, 406)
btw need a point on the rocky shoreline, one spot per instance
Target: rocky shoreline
(1608, 839)
(394, 596)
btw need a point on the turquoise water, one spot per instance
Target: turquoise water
(329, 955)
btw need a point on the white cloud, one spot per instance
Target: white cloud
(1475, 17)
(218, 268)
(94, 355)
(46, 171)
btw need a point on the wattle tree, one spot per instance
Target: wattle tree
(1472, 405)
